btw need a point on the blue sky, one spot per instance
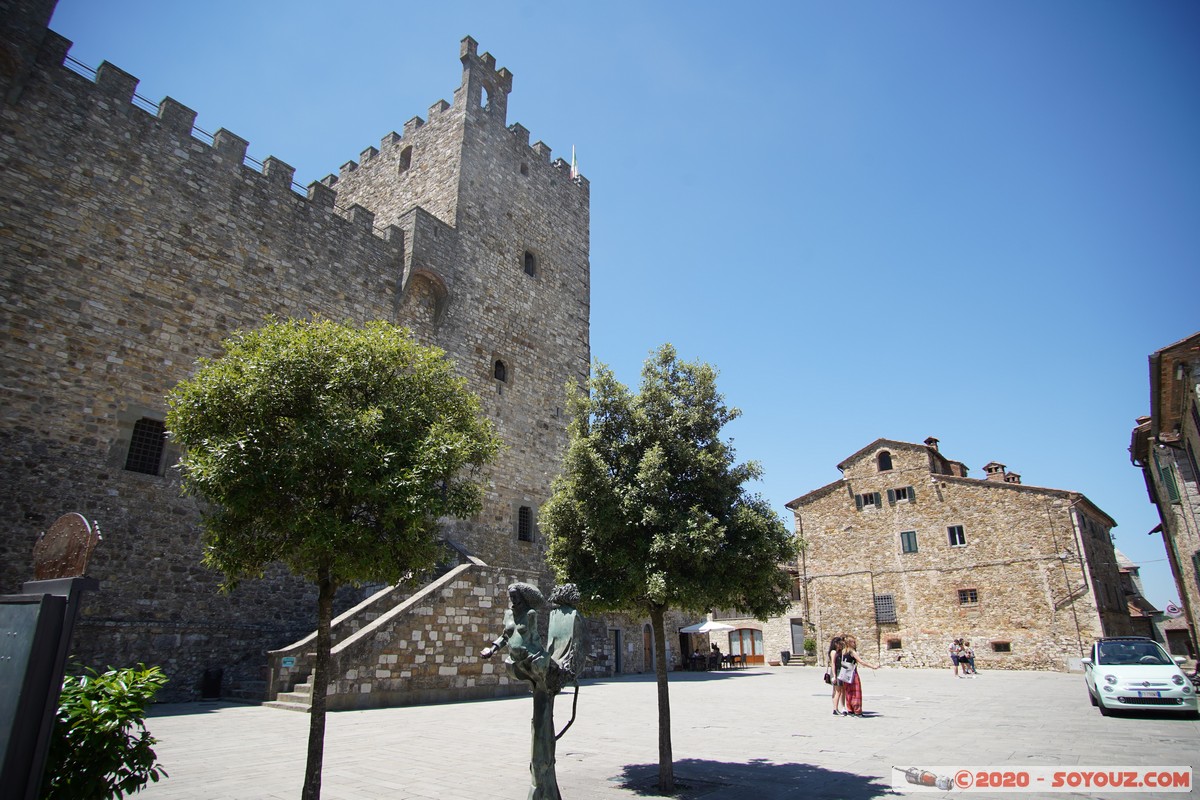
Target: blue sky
(972, 221)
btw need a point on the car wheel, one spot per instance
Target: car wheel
(1092, 697)
(1105, 711)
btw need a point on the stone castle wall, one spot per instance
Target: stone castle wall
(130, 246)
(1030, 598)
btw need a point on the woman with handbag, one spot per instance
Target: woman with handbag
(831, 673)
(848, 676)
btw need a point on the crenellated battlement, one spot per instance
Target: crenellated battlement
(115, 90)
(135, 243)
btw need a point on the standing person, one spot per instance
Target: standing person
(967, 659)
(831, 676)
(955, 654)
(852, 687)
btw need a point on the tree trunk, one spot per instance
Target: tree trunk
(320, 681)
(666, 765)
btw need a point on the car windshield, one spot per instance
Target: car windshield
(1127, 653)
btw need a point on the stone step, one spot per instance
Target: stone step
(294, 697)
(288, 706)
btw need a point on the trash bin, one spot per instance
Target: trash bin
(785, 656)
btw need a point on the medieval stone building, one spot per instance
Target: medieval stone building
(909, 553)
(1165, 446)
(132, 243)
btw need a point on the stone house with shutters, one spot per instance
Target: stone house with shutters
(908, 552)
(1165, 446)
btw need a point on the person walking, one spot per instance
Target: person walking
(967, 659)
(848, 676)
(831, 675)
(956, 654)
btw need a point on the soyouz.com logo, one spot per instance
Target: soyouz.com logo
(1041, 779)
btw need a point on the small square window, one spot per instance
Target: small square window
(958, 537)
(893, 644)
(908, 541)
(902, 494)
(885, 608)
(867, 500)
(968, 597)
(1001, 647)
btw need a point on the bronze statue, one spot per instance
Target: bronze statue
(547, 669)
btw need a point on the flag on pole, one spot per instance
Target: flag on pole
(574, 166)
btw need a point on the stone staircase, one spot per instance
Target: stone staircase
(406, 646)
(298, 699)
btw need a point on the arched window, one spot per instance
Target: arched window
(530, 263)
(406, 158)
(885, 461)
(500, 372)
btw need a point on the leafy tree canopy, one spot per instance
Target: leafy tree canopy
(651, 512)
(330, 448)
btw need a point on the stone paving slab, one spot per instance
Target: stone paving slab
(743, 735)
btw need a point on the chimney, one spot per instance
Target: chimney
(932, 444)
(1012, 477)
(994, 471)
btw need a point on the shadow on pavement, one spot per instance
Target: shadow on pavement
(194, 707)
(698, 778)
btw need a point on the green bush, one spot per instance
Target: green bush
(100, 748)
(810, 645)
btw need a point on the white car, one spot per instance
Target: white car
(1135, 672)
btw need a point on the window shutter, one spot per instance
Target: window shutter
(891, 497)
(1167, 476)
(858, 501)
(912, 496)
(878, 500)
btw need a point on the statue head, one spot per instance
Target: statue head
(525, 596)
(566, 594)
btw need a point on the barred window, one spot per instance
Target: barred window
(146, 446)
(525, 524)
(885, 608)
(968, 597)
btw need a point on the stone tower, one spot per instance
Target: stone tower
(131, 244)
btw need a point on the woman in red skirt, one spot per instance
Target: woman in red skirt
(853, 687)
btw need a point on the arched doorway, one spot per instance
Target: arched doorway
(748, 643)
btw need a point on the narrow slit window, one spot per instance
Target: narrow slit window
(525, 524)
(406, 158)
(531, 265)
(500, 372)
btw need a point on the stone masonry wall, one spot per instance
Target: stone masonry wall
(129, 248)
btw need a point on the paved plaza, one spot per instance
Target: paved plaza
(747, 734)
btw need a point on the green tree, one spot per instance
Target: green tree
(100, 748)
(650, 513)
(333, 450)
